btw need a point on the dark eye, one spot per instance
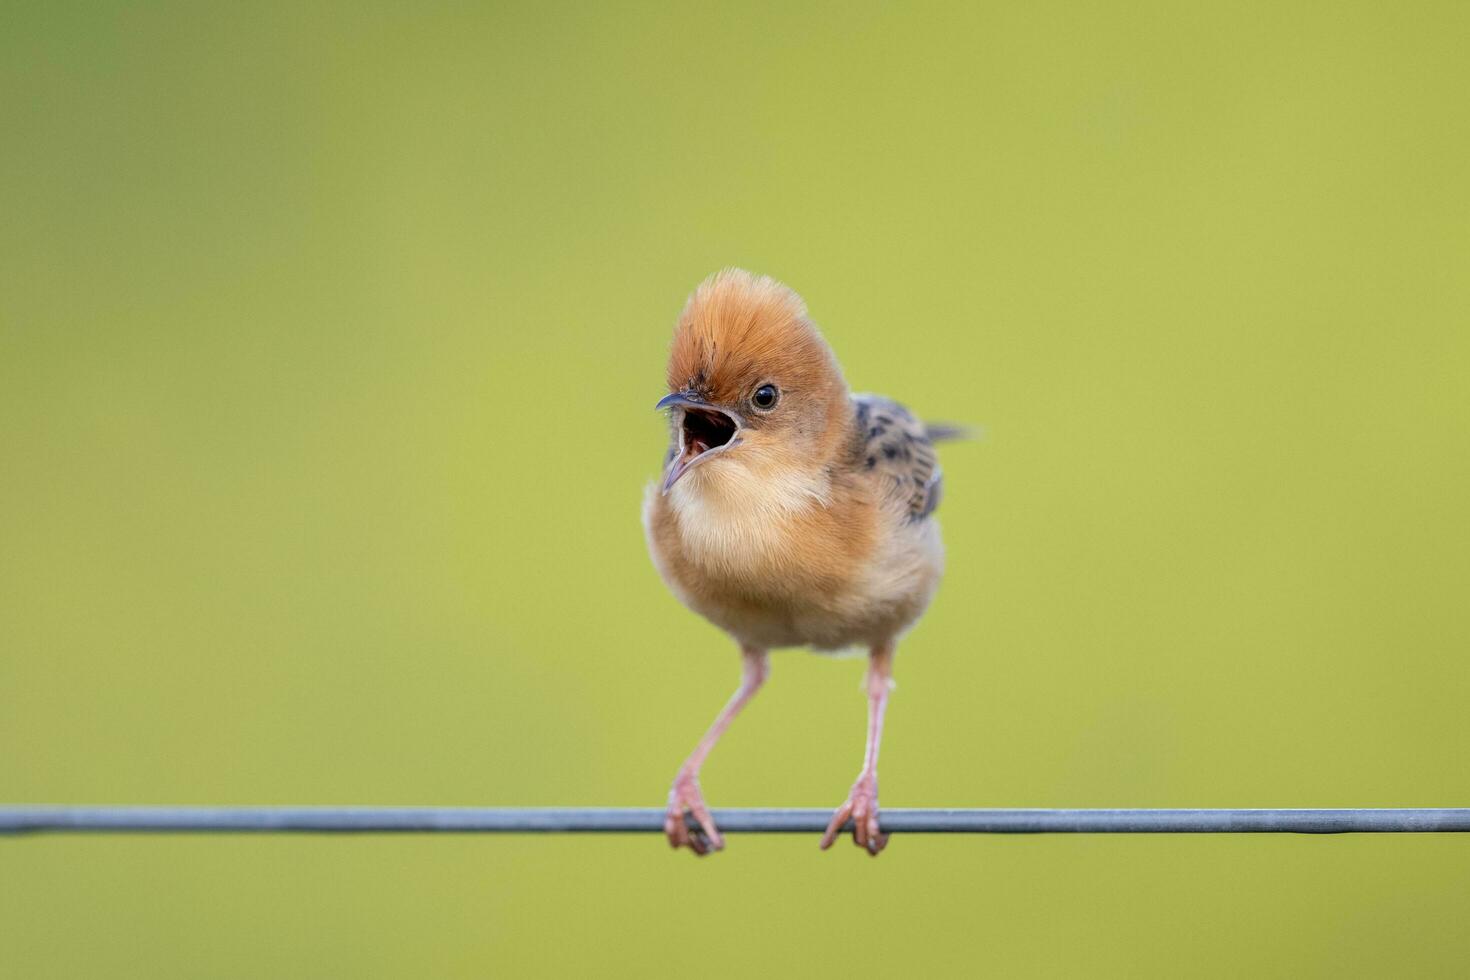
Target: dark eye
(765, 397)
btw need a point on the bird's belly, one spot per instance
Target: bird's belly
(860, 612)
(769, 587)
(776, 620)
(778, 607)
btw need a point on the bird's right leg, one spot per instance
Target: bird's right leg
(685, 796)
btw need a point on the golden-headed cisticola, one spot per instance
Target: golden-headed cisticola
(790, 513)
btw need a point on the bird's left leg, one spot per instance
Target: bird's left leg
(685, 797)
(861, 805)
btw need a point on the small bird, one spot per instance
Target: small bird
(790, 513)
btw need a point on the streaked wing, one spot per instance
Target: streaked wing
(897, 451)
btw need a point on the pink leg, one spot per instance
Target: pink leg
(861, 805)
(685, 796)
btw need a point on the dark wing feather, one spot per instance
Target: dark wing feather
(897, 451)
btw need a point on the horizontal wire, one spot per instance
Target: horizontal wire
(551, 820)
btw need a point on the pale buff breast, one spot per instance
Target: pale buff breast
(790, 560)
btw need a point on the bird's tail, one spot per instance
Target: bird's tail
(944, 431)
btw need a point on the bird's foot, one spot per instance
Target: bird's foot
(861, 807)
(685, 798)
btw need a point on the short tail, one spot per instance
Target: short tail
(944, 431)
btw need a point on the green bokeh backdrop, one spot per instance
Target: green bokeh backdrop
(329, 336)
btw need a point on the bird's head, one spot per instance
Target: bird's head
(751, 382)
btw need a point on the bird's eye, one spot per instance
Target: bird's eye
(765, 397)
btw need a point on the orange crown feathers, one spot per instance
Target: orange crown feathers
(738, 331)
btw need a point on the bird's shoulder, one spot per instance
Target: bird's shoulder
(894, 449)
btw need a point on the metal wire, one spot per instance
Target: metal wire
(551, 820)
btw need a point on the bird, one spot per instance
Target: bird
(790, 513)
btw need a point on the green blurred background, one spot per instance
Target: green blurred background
(329, 338)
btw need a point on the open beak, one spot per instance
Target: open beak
(704, 429)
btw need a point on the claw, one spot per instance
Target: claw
(834, 826)
(861, 806)
(685, 802)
